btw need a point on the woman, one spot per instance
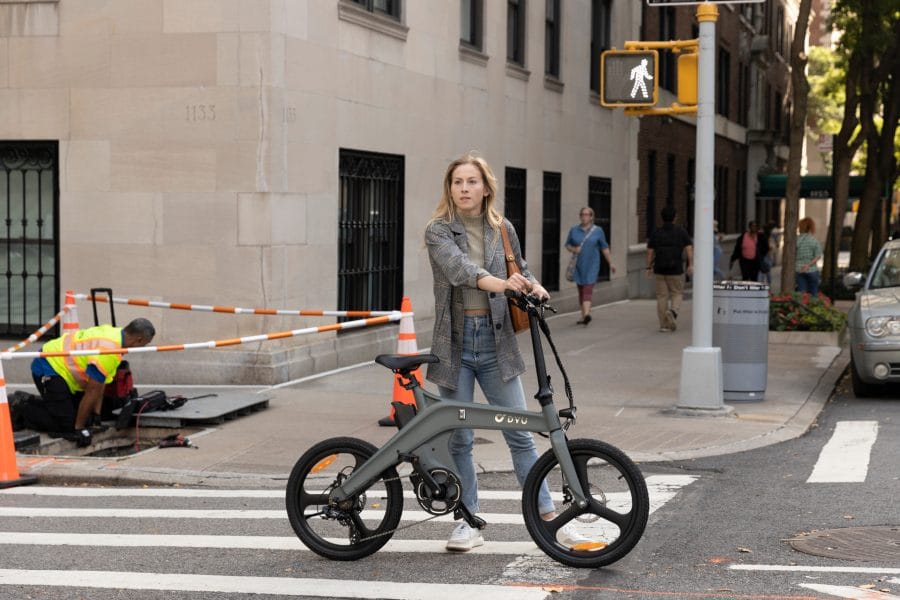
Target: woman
(587, 241)
(809, 251)
(473, 335)
(748, 253)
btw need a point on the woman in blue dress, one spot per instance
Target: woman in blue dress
(588, 242)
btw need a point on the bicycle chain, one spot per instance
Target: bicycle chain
(396, 529)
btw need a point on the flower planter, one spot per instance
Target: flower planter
(811, 338)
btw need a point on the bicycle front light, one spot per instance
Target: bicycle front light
(882, 326)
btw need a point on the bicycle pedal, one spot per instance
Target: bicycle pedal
(463, 513)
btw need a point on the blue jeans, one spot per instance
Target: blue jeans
(808, 282)
(479, 362)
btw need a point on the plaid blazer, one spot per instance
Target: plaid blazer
(450, 265)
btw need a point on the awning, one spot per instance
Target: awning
(811, 186)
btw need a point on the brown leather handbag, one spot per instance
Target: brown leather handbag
(518, 316)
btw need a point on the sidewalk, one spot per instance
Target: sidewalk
(624, 373)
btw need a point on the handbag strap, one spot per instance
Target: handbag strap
(507, 247)
(589, 233)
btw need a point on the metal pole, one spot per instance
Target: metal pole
(701, 364)
(833, 229)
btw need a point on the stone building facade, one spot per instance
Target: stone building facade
(287, 154)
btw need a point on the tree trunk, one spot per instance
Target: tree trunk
(879, 89)
(799, 102)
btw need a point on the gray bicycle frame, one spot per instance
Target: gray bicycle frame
(427, 435)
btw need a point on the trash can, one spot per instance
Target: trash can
(741, 331)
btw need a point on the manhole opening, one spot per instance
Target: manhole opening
(110, 443)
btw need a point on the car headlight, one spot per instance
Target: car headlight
(882, 326)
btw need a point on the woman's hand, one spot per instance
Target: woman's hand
(517, 283)
(539, 291)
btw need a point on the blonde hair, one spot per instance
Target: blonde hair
(446, 210)
(806, 225)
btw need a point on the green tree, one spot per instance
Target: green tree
(870, 44)
(799, 101)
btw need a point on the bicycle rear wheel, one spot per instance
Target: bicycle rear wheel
(612, 523)
(353, 529)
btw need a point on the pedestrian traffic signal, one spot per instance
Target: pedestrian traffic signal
(628, 78)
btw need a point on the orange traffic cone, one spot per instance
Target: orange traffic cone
(406, 345)
(70, 319)
(9, 473)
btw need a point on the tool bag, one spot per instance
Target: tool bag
(153, 401)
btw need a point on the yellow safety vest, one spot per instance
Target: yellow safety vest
(73, 369)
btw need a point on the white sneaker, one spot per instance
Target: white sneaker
(464, 538)
(569, 536)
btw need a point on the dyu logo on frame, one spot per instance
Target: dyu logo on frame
(628, 78)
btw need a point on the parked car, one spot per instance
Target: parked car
(874, 323)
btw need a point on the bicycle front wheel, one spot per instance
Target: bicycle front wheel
(616, 515)
(352, 529)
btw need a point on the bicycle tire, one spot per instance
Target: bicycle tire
(611, 480)
(331, 535)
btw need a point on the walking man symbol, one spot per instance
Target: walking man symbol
(638, 75)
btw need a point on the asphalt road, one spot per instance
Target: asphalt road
(715, 523)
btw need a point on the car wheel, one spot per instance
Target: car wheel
(860, 388)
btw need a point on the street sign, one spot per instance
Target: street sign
(696, 2)
(628, 78)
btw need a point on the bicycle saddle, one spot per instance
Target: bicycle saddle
(404, 362)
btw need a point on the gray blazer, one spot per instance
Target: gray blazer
(452, 269)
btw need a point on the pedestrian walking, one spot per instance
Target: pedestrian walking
(587, 243)
(473, 335)
(747, 252)
(718, 275)
(809, 251)
(667, 248)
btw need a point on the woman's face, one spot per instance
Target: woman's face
(467, 190)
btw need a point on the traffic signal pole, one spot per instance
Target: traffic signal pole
(701, 364)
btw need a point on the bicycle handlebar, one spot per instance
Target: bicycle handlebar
(526, 301)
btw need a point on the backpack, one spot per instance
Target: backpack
(152, 401)
(666, 252)
(119, 391)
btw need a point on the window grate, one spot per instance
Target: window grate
(29, 242)
(600, 200)
(551, 235)
(370, 244)
(514, 208)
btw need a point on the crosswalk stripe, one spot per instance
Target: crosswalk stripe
(281, 586)
(815, 569)
(845, 458)
(846, 591)
(251, 542)
(658, 483)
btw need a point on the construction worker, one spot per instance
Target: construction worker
(71, 387)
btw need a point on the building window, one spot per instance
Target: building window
(370, 231)
(551, 231)
(514, 209)
(515, 32)
(779, 30)
(651, 194)
(600, 38)
(720, 208)
(741, 196)
(743, 94)
(471, 19)
(600, 200)
(723, 83)
(388, 8)
(668, 74)
(777, 112)
(552, 30)
(29, 242)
